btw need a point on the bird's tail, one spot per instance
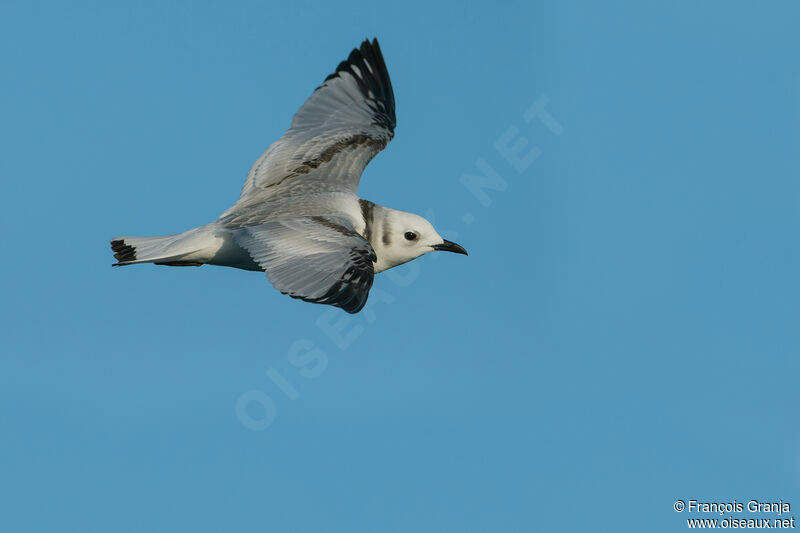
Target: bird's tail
(173, 250)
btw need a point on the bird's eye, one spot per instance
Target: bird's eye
(410, 235)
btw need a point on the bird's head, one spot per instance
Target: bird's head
(406, 236)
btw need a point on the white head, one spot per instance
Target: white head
(398, 237)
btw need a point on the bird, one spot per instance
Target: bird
(299, 218)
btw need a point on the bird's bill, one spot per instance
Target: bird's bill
(448, 246)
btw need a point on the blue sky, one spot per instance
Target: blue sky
(622, 335)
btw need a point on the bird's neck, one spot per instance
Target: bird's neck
(378, 231)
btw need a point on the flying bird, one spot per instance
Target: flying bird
(299, 218)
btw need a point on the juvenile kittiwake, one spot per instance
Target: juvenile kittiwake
(299, 217)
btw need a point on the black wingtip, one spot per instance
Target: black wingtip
(351, 291)
(372, 78)
(374, 45)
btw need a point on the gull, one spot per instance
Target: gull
(299, 218)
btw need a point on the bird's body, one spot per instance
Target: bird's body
(299, 217)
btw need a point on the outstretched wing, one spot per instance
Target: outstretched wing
(317, 259)
(338, 130)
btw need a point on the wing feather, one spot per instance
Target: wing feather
(334, 135)
(316, 259)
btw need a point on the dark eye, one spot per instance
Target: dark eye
(410, 235)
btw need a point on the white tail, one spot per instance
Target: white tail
(172, 250)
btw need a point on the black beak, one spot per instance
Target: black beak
(448, 246)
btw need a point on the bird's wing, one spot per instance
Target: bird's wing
(317, 259)
(338, 130)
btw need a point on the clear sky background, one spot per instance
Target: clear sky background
(624, 332)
